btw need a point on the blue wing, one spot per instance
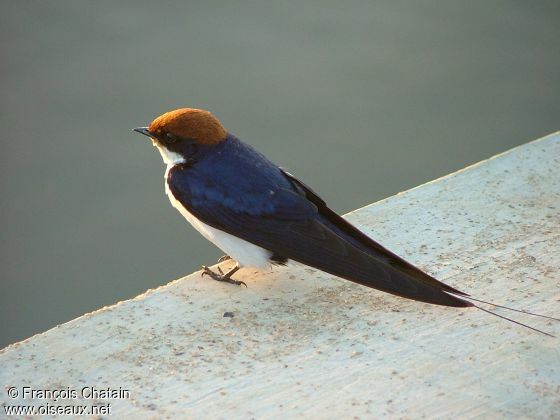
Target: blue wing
(258, 202)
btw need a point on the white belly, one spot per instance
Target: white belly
(245, 253)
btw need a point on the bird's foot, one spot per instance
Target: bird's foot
(226, 278)
(224, 258)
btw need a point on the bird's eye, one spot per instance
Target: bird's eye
(170, 138)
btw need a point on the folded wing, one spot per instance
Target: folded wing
(294, 222)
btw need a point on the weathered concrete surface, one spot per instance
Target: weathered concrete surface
(305, 344)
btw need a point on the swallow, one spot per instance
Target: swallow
(260, 214)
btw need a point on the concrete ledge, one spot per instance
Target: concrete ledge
(305, 344)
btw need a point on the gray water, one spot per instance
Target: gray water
(360, 99)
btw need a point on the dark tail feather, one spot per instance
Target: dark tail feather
(408, 285)
(401, 278)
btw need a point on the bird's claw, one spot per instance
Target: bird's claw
(224, 258)
(221, 276)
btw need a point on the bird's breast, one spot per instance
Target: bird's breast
(245, 253)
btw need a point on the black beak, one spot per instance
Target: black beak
(143, 130)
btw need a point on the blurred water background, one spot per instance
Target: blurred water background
(360, 99)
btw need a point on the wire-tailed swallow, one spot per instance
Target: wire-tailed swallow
(259, 214)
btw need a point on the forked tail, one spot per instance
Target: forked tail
(511, 309)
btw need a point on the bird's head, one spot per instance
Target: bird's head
(178, 134)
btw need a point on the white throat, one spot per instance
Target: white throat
(170, 158)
